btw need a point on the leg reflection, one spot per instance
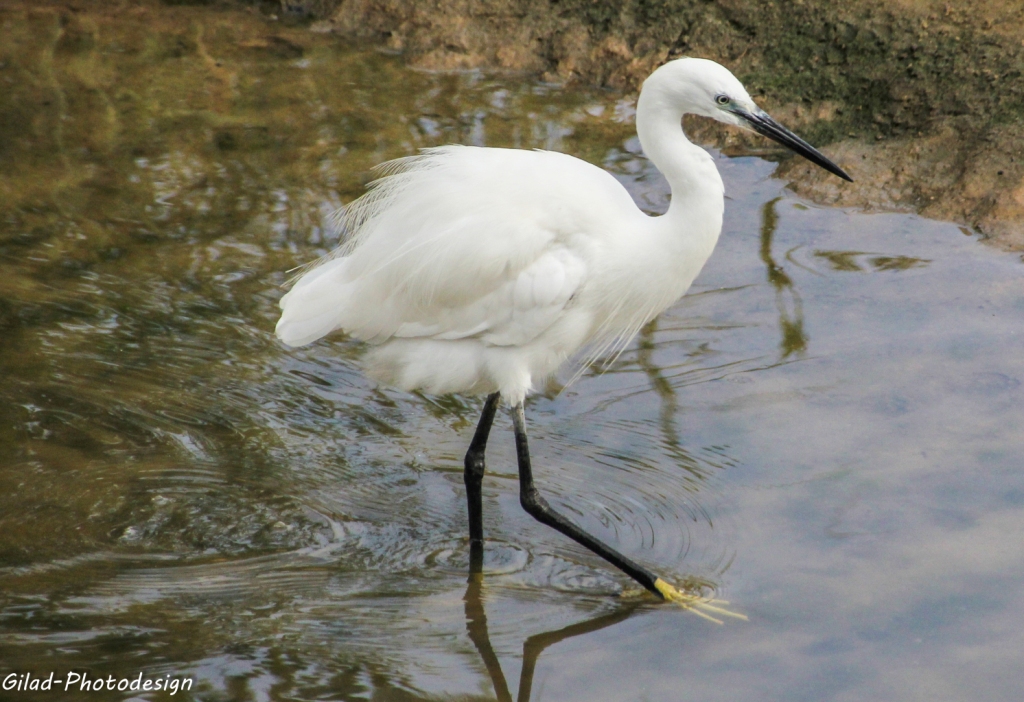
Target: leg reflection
(476, 626)
(535, 645)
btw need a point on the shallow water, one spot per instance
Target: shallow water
(826, 432)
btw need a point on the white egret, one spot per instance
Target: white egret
(483, 270)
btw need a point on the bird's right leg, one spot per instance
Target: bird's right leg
(538, 508)
(474, 477)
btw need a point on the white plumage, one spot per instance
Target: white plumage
(480, 269)
(483, 270)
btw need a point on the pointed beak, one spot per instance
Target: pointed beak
(763, 124)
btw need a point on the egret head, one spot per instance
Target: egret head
(702, 87)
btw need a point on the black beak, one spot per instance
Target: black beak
(763, 124)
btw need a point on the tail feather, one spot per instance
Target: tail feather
(315, 306)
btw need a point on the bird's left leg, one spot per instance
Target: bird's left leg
(540, 510)
(474, 476)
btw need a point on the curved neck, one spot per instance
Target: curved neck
(689, 169)
(690, 228)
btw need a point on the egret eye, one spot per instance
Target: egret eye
(722, 100)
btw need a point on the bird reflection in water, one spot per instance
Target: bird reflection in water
(660, 384)
(791, 314)
(476, 627)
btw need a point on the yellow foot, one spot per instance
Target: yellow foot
(707, 608)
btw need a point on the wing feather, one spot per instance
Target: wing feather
(454, 243)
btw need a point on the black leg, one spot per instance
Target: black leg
(539, 509)
(474, 476)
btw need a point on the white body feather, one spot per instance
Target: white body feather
(479, 269)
